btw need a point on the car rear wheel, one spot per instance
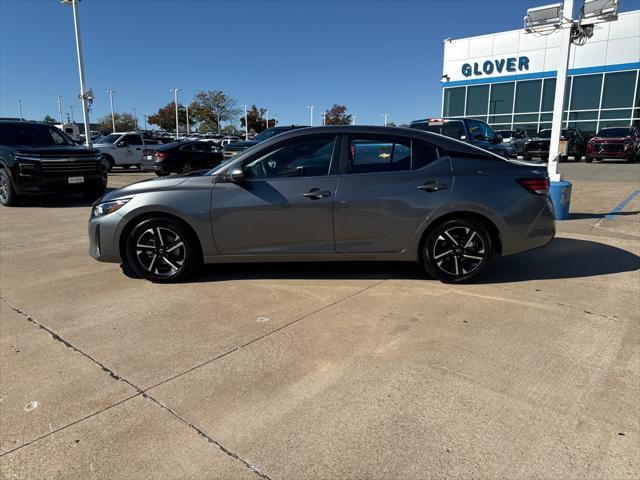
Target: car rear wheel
(458, 251)
(162, 250)
(8, 196)
(110, 162)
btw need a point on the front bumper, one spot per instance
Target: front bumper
(626, 154)
(104, 244)
(40, 184)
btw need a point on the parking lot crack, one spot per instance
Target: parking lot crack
(139, 392)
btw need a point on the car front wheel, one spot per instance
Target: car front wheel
(162, 250)
(8, 196)
(458, 251)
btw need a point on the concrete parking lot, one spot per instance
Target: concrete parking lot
(317, 371)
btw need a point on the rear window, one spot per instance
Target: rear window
(448, 128)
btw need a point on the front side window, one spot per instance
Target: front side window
(310, 157)
(134, 140)
(367, 155)
(480, 131)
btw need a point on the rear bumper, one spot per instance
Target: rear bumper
(538, 233)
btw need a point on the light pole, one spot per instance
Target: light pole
(20, 108)
(324, 118)
(83, 92)
(353, 120)
(73, 120)
(386, 116)
(175, 99)
(113, 117)
(59, 99)
(311, 107)
(135, 117)
(246, 124)
(145, 121)
(187, 110)
(266, 116)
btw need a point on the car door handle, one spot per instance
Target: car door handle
(432, 186)
(316, 193)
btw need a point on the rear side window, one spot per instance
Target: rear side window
(368, 155)
(423, 154)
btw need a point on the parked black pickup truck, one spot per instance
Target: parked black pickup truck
(538, 145)
(36, 158)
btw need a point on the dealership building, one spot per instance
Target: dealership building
(508, 79)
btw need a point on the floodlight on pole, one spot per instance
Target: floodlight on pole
(311, 107)
(85, 96)
(175, 99)
(246, 123)
(386, 116)
(59, 100)
(113, 117)
(603, 9)
(20, 109)
(544, 18)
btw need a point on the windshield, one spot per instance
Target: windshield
(30, 134)
(265, 134)
(111, 138)
(614, 132)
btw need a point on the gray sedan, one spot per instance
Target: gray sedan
(332, 193)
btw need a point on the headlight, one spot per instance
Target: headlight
(106, 208)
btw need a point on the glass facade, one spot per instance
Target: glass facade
(592, 102)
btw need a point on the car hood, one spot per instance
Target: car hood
(610, 139)
(150, 185)
(56, 151)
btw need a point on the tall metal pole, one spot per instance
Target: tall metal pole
(145, 121)
(385, 115)
(113, 117)
(59, 99)
(175, 97)
(266, 114)
(73, 120)
(246, 124)
(83, 91)
(187, 110)
(311, 107)
(135, 117)
(20, 108)
(558, 102)
(353, 120)
(324, 118)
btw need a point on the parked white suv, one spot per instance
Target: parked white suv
(121, 149)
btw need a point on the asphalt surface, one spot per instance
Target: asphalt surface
(316, 371)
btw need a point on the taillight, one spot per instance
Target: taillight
(161, 155)
(539, 186)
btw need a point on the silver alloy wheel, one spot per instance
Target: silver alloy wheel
(4, 189)
(161, 251)
(459, 251)
(186, 167)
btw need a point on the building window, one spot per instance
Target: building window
(618, 89)
(454, 102)
(501, 98)
(528, 96)
(585, 94)
(587, 129)
(477, 100)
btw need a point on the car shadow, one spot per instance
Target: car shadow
(67, 200)
(580, 216)
(562, 258)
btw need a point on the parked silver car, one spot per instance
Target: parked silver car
(332, 193)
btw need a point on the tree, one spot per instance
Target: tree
(337, 115)
(213, 107)
(256, 120)
(49, 119)
(125, 122)
(165, 117)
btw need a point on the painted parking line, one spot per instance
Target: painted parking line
(612, 214)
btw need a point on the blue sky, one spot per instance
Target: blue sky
(373, 56)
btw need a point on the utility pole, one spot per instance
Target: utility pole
(188, 129)
(175, 97)
(20, 108)
(59, 99)
(324, 118)
(311, 107)
(135, 117)
(113, 117)
(73, 120)
(84, 94)
(353, 120)
(246, 124)
(386, 116)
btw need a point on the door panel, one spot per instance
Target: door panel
(380, 212)
(272, 216)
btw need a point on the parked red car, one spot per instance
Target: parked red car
(614, 142)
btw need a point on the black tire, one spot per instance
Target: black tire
(186, 167)
(8, 196)
(528, 158)
(171, 252)
(457, 251)
(110, 162)
(161, 174)
(587, 159)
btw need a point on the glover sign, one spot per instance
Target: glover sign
(511, 64)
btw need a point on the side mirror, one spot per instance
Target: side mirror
(121, 144)
(236, 175)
